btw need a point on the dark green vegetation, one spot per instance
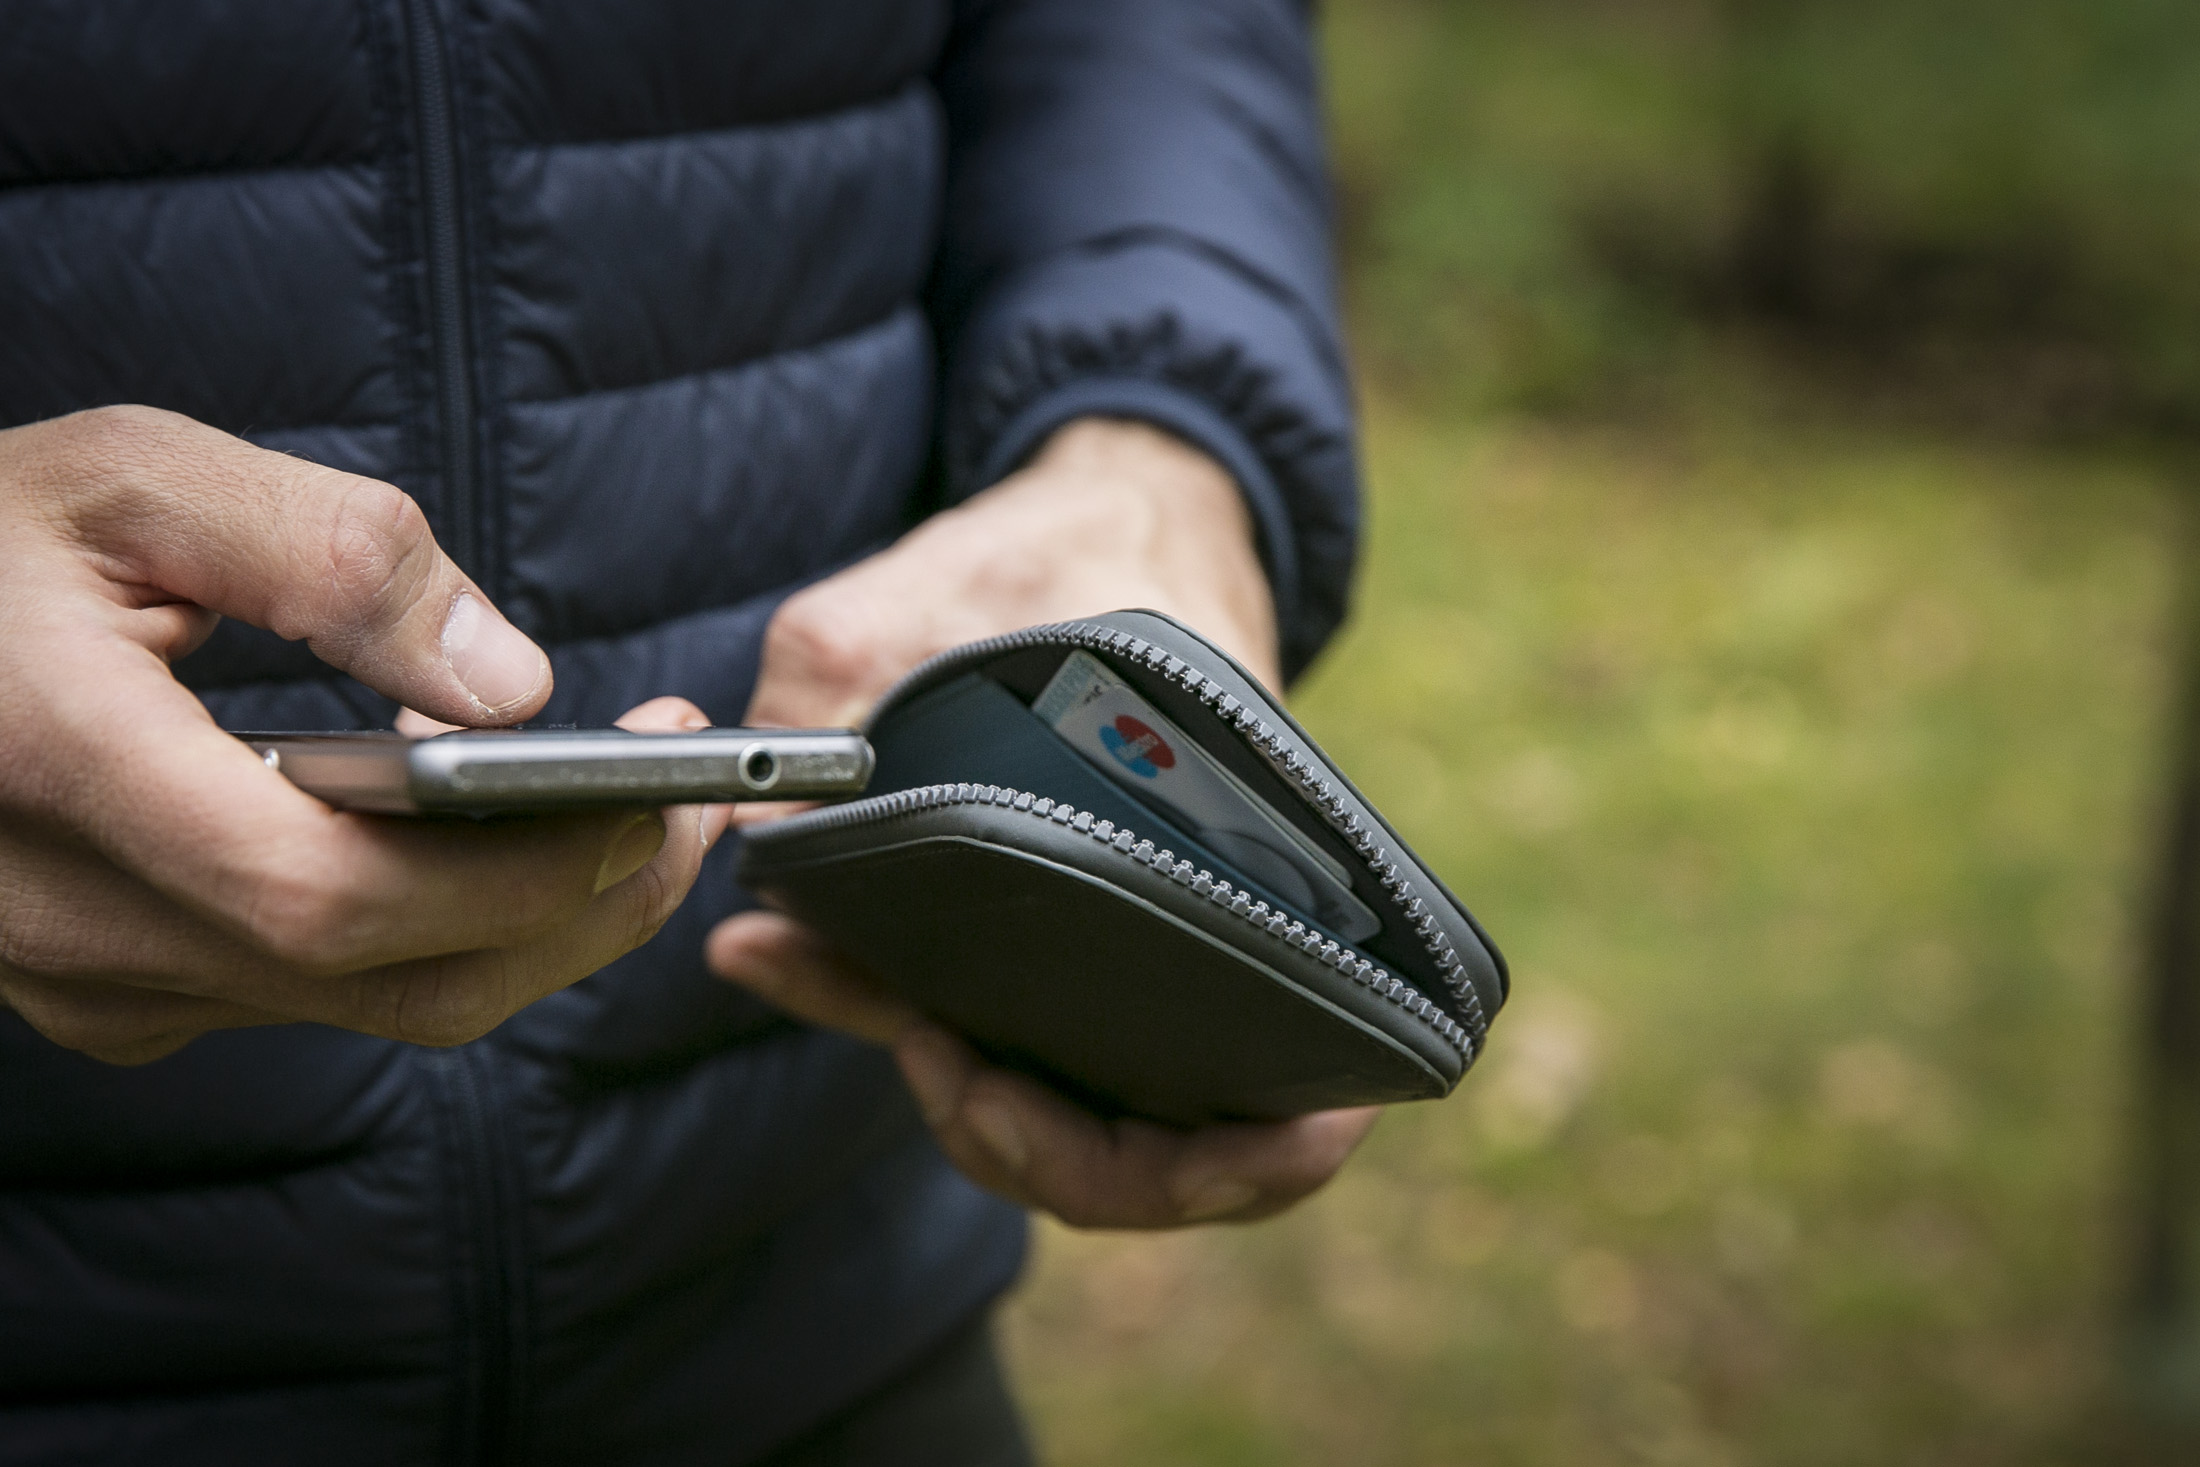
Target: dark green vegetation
(1546, 198)
(1769, 626)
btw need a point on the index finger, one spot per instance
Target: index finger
(346, 563)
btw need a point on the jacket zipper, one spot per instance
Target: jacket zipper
(1265, 740)
(436, 112)
(490, 1295)
(491, 1314)
(1126, 842)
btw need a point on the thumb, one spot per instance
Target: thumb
(346, 563)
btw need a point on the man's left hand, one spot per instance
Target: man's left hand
(1107, 515)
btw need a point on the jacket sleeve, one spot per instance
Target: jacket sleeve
(1137, 225)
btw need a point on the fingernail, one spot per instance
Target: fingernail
(493, 658)
(1217, 1198)
(998, 1129)
(934, 1079)
(631, 850)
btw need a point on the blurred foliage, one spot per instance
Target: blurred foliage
(1802, 756)
(1550, 197)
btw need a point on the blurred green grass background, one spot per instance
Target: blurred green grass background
(1775, 435)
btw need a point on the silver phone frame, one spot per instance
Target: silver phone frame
(507, 771)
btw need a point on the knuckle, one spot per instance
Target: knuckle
(439, 1008)
(304, 919)
(26, 947)
(39, 941)
(105, 458)
(832, 642)
(71, 1027)
(370, 556)
(73, 1021)
(448, 1027)
(97, 450)
(123, 428)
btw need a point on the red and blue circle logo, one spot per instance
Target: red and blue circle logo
(1137, 747)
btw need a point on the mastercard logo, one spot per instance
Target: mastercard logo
(1137, 747)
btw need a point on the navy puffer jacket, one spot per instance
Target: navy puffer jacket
(658, 307)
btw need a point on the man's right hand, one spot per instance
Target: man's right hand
(156, 879)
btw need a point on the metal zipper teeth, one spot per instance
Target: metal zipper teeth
(1199, 881)
(1267, 741)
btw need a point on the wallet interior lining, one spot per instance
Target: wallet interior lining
(972, 729)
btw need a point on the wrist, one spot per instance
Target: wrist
(1106, 514)
(1132, 509)
(1136, 452)
(1182, 490)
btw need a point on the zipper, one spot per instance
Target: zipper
(1126, 843)
(490, 1296)
(436, 113)
(1266, 740)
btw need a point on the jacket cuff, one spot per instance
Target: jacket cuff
(1186, 416)
(1158, 328)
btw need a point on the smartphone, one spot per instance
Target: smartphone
(507, 771)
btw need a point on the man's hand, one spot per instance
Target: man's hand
(156, 879)
(1022, 1139)
(1108, 515)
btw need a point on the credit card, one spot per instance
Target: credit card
(1097, 714)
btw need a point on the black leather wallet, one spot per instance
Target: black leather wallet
(1106, 856)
